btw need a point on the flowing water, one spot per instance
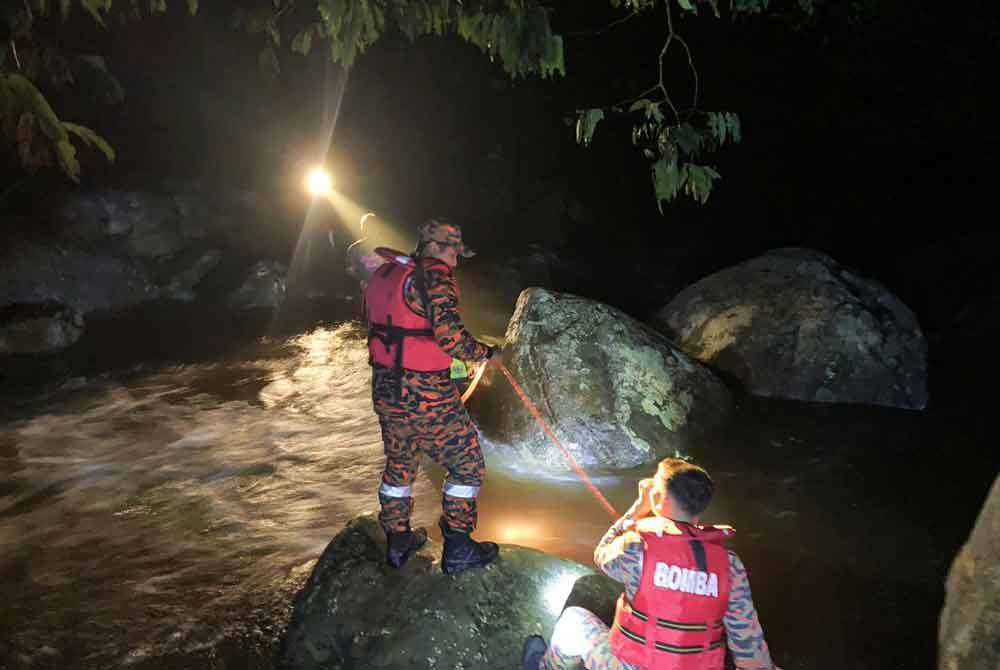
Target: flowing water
(164, 516)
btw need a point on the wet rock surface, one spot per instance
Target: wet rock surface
(356, 612)
(616, 393)
(796, 324)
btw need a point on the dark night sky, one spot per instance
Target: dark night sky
(868, 142)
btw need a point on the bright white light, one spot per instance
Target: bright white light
(319, 182)
(558, 589)
(568, 635)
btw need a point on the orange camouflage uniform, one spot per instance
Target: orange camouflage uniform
(423, 413)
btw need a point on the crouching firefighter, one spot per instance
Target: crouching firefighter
(414, 331)
(686, 597)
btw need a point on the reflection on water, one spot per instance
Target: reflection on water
(165, 519)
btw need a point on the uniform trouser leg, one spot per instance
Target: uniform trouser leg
(395, 495)
(453, 443)
(580, 640)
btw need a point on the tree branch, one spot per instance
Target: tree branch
(663, 52)
(616, 22)
(634, 97)
(694, 71)
(13, 50)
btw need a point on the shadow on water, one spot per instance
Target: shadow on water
(164, 515)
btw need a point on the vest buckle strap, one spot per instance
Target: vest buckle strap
(668, 648)
(635, 637)
(636, 613)
(677, 649)
(678, 625)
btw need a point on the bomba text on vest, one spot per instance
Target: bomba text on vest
(684, 580)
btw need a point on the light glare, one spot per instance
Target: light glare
(558, 589)
(318, 182)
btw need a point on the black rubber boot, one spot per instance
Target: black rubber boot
(534, 649)
(461, 552)
(403, 545)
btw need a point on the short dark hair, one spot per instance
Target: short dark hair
(688, 483)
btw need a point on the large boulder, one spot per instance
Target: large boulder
(616, 393)
(146, 225)
(38, 328)
(112, 249)
(356, 612)
(263, 288)
(796, 324)
(969, 630)
(86, 280)
(183, 273)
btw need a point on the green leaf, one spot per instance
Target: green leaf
(273, 34)
(640, 105)
(586, 123)
(668, 149)
(66, 153)
(717, 126)
(64, 8)
(90, 138)
(687, 138)
(724, 127)
(699, 182)
(24, 137)
(192, 7)
(303, 41)
(654, 112)
(687, 5)
(554, 60)
(749, 6)
(733, 124)
(31, 99)
(667, 181)
(94, 8)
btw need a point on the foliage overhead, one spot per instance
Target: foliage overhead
(676, 138)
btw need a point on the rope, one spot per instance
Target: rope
(475, 382)
(555, 440)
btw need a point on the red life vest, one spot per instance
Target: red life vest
(398, 337)
(674, 622)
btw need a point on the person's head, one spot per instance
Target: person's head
(442, 240)
(681, 490)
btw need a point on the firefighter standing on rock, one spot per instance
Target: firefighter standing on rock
(414, 333)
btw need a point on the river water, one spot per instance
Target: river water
(164, 515)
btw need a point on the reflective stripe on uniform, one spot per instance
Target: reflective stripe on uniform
(460, 490)
(390, 491)
(458, 369)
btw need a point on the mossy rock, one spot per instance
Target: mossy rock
(356, 612)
